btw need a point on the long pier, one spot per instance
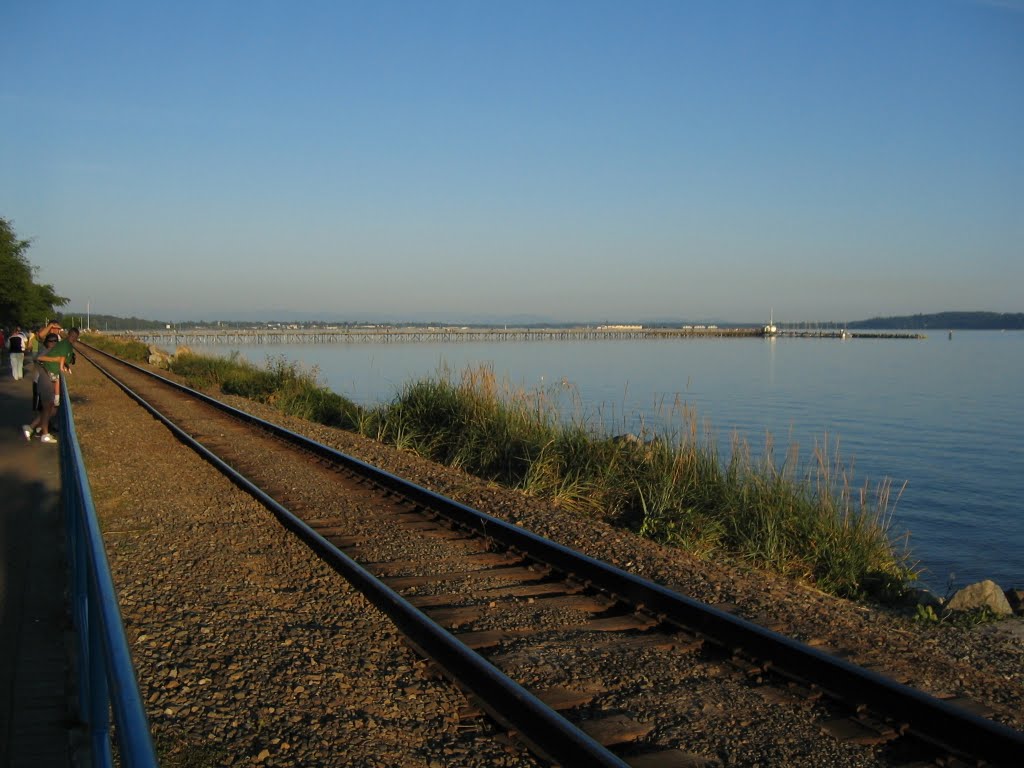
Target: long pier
(382, 335)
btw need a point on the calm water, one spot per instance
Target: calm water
(943, 415)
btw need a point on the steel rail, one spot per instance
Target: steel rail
(942, 724)
(543, 729)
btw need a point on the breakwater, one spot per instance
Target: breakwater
(382, 335)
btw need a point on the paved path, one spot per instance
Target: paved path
(34, 713)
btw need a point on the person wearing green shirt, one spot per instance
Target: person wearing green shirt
(55, 361)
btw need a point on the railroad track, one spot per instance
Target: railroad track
(584, 663)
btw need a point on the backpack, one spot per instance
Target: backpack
(15, 343)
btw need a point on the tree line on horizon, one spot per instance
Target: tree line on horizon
(954, 321)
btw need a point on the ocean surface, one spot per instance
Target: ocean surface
(942, 418)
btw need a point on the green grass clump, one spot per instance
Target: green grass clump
(124, 347)
(465, 426)
(813, 522)
(201, 371)
(319, 405)
(280, 383)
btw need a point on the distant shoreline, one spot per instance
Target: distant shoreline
(939, 321)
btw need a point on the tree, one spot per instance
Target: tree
(23, 301)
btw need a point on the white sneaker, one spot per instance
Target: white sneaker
(47, 438)
(26, 430)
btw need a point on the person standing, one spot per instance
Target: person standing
(16, 347)
(54, 361)
(65, 350)
(33, 345)
(43, 406)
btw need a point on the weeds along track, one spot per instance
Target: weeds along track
(583, 663)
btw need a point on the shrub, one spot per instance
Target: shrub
(125, 347)
(281, 383)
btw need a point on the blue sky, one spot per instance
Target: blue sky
(702, 159)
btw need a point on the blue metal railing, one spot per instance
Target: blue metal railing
(106, 677)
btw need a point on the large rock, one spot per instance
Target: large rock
(158, 358)
(984, 594)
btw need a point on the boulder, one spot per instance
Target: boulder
(158, 357)
(984, 594)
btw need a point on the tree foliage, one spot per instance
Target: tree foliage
(951, 320)
(23, 301)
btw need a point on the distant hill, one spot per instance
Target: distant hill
(954, 321)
